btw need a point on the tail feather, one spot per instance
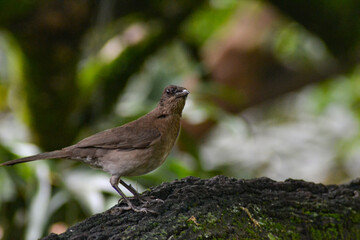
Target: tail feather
(46, 155)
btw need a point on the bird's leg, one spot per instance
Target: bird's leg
(114, 181)
(144, 200)
(131, 189)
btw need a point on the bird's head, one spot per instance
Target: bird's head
(173, 99)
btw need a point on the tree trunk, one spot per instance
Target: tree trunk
(228, 208)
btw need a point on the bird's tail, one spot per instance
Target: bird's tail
(46, 155)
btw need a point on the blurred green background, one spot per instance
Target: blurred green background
(275, 91)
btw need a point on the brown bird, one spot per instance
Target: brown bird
(133, 149)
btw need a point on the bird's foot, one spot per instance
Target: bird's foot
(149, 200)
(143, 200)
(120, 209)
(144, 210)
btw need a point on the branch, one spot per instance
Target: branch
(229, 208)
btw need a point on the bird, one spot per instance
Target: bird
(132, 149)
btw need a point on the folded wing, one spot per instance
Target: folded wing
(122, 138)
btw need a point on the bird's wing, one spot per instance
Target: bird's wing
(125, 138)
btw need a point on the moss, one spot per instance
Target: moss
(272, 237)
(355, 217)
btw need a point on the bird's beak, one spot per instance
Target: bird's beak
(183, 93)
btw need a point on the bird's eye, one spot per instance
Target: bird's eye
(168, 91)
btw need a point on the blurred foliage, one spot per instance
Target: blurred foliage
(69, 69)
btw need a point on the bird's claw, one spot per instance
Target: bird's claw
(119, 210)
(144, 207)
(145, 210)
(143, 200)
(149, 200)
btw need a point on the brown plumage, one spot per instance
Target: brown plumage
(132, 149)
